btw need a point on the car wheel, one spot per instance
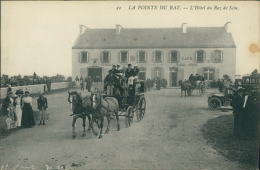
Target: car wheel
(214, 103)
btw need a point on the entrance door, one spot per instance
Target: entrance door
(96, 74)
(174, 78)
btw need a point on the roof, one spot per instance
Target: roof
(196, 37)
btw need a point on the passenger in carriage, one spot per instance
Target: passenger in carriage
(114, 70)
(129, 72)
(191, 77)
(110, 82)
(134, 75)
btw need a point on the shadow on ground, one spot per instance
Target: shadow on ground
(219, 133)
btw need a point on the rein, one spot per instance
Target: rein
(99, 105)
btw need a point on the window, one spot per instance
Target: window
(157, 72)
(209, 74)
(142, 58)
(217, 56)
(158, 57)
(174, 56)
(200, 56)
(105, 57)
(124, 56)
(83, 57)
(142, 73)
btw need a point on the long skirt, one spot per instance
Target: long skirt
(27, 116)
(18, 114)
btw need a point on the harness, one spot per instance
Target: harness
(102, 106)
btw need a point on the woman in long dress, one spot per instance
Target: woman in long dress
(27, 114)
(18, 109)
(8, 111)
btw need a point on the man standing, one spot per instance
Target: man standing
(42, 107)
(82, 83)
(158, 83)
(110, 82)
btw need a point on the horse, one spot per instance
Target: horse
(104, 107)
(185, 86)
(81, 108)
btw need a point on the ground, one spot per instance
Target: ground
(171, 136)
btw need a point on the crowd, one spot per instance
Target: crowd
(17, 110)
(30, 80)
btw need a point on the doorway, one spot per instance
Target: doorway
(95, 74)
(174, 78)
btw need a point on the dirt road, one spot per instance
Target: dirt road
(169, 137)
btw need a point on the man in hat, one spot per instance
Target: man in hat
(129, 72)
(114, 70)
(134, 75)
(110, 82)
(42, 107)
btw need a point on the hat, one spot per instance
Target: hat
(118, 65)
(129, 64)
(9, 93)
(41, 93)
(20, 91)
(26, 92)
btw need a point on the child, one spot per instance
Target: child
(42, 107)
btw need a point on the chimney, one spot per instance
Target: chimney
(118, 28)
(184, 28)
(80, 28)
(226, 26)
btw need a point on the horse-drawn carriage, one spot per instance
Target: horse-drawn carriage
(200, 85)
(134, 103)
(99, 105)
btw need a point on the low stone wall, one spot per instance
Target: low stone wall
(31, 88)
(62, 85)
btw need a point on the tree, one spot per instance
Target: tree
(254, 73)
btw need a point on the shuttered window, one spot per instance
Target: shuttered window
(200, 56)
(141, 57)
(105, 57)
(217, 56)
(84, 57)
(124, 56)
(174, 56)
(158, 57)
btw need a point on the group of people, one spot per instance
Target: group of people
(196, 79)
(26, 80)
(87, 81)
(118, 81)
(18, 111)
(156, 83)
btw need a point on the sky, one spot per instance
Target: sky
(38, 36)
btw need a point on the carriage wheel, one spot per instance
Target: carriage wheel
(129, 116)
(141, 106)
